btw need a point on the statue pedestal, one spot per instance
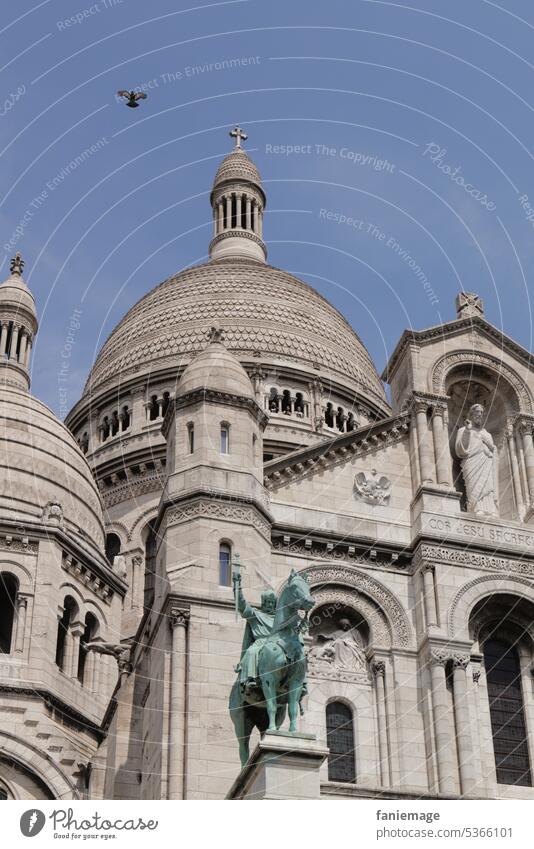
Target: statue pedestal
(282, 766)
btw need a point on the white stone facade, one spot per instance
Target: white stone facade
(274, 440)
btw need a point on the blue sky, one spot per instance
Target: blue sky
(413, 119)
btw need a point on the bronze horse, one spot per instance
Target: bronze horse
(281, 670)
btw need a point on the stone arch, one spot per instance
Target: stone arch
(36, 762)
(466, 598)
(344, 577)
(143, 519)
(22, 574)
(442, 367)
(379, 629)
(119, 529)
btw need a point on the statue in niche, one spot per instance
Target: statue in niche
(476, 450)
(343, 648)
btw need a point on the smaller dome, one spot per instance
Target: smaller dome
(15, 295)
(216, 368)
(237, 166)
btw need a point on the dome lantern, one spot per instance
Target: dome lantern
(238, 202)
(18, 326)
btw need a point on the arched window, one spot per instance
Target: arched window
(150, 565)
(91, 627)
(69, 611)
(114, 423)
(105, 428)
(340, 742)
(8, 598)
(153, 408)
(299, 404)
(503, 675)
(113, 547)
(225, 564)
(286, 402)
(191, 437)
(351, 424)
(225, 438)
(329, 415)
(340, 419)
(273, 400)
(166, 402)
(125, 417)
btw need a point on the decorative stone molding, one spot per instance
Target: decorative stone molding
(86, 576)
(467, 557)
(18, 543)
(133, 489)
(495, 365)
(346, 577)
(469, 594)
(243, 514)
(204, 395)
(357, 443)
(344, 551)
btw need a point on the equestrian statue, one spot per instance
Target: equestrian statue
(271, 674)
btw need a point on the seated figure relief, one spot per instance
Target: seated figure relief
(338, 647)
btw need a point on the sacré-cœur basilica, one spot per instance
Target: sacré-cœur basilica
(233, 411)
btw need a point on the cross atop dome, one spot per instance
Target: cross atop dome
(16, 265)
(239, 135)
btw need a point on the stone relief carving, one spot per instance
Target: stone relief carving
(498, 367)
(372, 488)
(330, 576)
(53, 513)
(466, 557)
(337, 649)
(235, 513)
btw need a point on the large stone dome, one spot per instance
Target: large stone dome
(40, 465)
(268, 316)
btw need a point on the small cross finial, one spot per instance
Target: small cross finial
(239, 135)
(17, 264)
(216, 334)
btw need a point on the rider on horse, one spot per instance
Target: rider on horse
(259, 626)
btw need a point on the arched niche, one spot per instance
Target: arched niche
(502, 396)
(483, 589)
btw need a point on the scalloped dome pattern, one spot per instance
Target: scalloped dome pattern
(265, 313)
(237, 166)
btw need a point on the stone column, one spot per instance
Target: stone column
(248, 213)
(528, 447)
(441, 447)
(426, 460)
(220, 217)
(468, 779)
(260, 223)
(23, 343)
(76, 632)
(138, 411)
(516, 478)
(379, 670)
(14, 340)
(228, 200)
(28, 351)
(22, 604)
(440, 708)
(429, 593)
(3, 337)
(255, 211)
(238, 201)
(177, 703)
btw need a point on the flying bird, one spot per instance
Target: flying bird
(132, 97)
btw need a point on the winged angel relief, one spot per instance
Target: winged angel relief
(372, 488)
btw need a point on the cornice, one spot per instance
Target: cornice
(305, 462)
(453, 328)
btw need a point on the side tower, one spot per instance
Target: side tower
(57, 591)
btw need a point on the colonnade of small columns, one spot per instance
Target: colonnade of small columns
(238, 210)
(15, 343)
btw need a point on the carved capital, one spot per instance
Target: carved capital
(438, 657)
(178, 618)
(379, 668)
(460, 660)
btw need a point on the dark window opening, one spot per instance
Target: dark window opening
(225, 565)
(340, 742)
(125, 418)
(286, 402)
(299, 403)
(351, 424)
(89, 632)
(274, 400)
(113, 547)
(508, 727)
(340, 419)
(115, 423)
(150, 566)
(166, 402)
(8, 599)
(105, 428)
(69, 608)
(329, 415)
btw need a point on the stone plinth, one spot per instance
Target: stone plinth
(282, 766)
